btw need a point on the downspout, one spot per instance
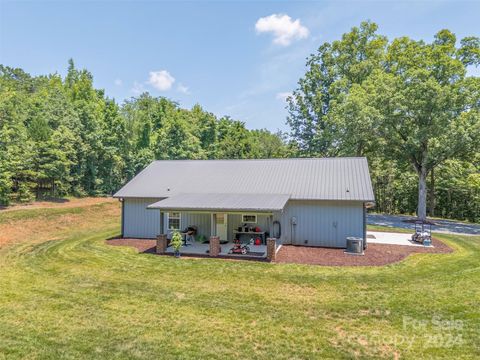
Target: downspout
(123, 216)
(364, 226)
(162, 223)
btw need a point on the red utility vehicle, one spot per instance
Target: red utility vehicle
(238, 248)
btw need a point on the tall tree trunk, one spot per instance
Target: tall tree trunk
(432, 192)
(422, 193)
(359, 150)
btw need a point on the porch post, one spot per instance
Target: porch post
(214, 246)
(162, 222)
(270, 225)
(213, 227)
(271, 249)
(161, 244)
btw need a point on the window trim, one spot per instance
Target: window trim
(249, 222)
(179, 218)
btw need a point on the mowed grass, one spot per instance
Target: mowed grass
(76, 297)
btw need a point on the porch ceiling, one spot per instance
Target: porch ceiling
(223, 202)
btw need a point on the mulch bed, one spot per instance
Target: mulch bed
(375, 254)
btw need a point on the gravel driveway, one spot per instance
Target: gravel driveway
(443, 226)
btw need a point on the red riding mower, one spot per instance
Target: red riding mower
(238, 248)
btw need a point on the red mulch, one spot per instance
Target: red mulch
(375, 254)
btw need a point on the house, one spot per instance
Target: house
(313, 202)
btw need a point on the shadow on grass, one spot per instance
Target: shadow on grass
(47, 200)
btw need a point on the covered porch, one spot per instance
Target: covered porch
(203, 249)
(239, 221)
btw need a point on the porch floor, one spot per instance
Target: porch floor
(196, 248)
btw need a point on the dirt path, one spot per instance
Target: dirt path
(42, 226)
(60, 203)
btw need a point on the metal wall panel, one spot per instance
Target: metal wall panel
(321, 223)
(138, 221)
(201, 220)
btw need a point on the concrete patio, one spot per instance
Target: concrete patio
(196, 248)
(392, 238)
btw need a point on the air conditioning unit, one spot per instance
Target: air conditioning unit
(354, 246)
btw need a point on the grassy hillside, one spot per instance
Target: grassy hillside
(66, 294)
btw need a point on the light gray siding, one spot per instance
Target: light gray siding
(201, 220)
(321, 223)
(138, 221)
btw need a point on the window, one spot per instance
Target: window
(220, 218)
(174, 220)
(248, 218)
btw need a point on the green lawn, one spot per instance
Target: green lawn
(76, 297)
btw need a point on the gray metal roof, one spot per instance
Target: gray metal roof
(235, 202)
(312, 179)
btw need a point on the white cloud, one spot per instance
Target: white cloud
(161, 80)
(283, 96)
(183, 89)
(118, 82)
(283, 28)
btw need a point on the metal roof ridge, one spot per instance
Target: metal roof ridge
(266, 159)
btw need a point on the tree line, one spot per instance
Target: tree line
(409, 106)
(61, 136)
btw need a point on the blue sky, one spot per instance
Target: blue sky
(218, 54)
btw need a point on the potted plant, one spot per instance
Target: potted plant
(176, 243)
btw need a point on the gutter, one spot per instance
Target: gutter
(123, 215)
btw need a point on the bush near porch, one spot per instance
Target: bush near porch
(66, 294)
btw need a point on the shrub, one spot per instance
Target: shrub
(176, 241)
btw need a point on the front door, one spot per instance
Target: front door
(221, 226)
